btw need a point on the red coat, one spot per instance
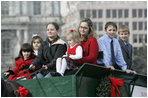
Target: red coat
(19, 63)
(90, 51)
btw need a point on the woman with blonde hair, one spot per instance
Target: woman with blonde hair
(88, 42)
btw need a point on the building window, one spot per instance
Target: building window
(134, 25)
(145, 13)
(88, 13)
(94, 13)
(134, 38)
(5, 46)
(120, 23)
(140, 12)
(82, 14)
(126, 13)
(126, 23)
(120, 13)
(107, 13)
(21, 5)
(140, 38)
(145, 38)
(114, 13)
(95, 26)
(100, 13)
(134, 13)
(140, 25)
(100, 26)
(36, 7)
(5, 7)
(145, 26)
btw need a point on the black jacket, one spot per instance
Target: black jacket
(127, 56)
(48, 54)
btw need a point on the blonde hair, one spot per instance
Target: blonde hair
(73, 35)
(123, 28)
(91, 32)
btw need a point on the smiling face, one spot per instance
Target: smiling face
(70, 39)
(51, 31)
(111, 31)
(71, 42)
(26, 54)
(124, 35)
(36, 44)
(83, 29)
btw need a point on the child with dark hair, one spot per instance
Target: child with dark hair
(22, 62)
(35, 43)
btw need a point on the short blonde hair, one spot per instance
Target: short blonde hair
(123, 28)
(73, 35)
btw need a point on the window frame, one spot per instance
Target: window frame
(36, 8)
(5, 7)
(82, 12)
(134, 13)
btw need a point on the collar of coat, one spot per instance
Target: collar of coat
(57, 41)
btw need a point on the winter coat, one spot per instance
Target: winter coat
(90, 51)
(127, 55)
(48, 53)
(21, 65)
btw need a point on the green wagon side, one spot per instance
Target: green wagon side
(83, 83)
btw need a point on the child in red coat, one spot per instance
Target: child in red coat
(22, 63)
(74, 53)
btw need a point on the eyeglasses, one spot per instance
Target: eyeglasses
(85, 28)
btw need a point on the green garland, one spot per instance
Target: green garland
(103, 89)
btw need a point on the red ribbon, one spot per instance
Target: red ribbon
(22, 91)
(71, 30)
(114, 85)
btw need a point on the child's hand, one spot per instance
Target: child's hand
(64, 56)
(45, 66)
(127, 71)
(7, 73)
(134, 72)
(32, 67)
(70, 56)
(111, 67)
(130, 71)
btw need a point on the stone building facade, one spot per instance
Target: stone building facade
(21, 19)
(131, 13)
